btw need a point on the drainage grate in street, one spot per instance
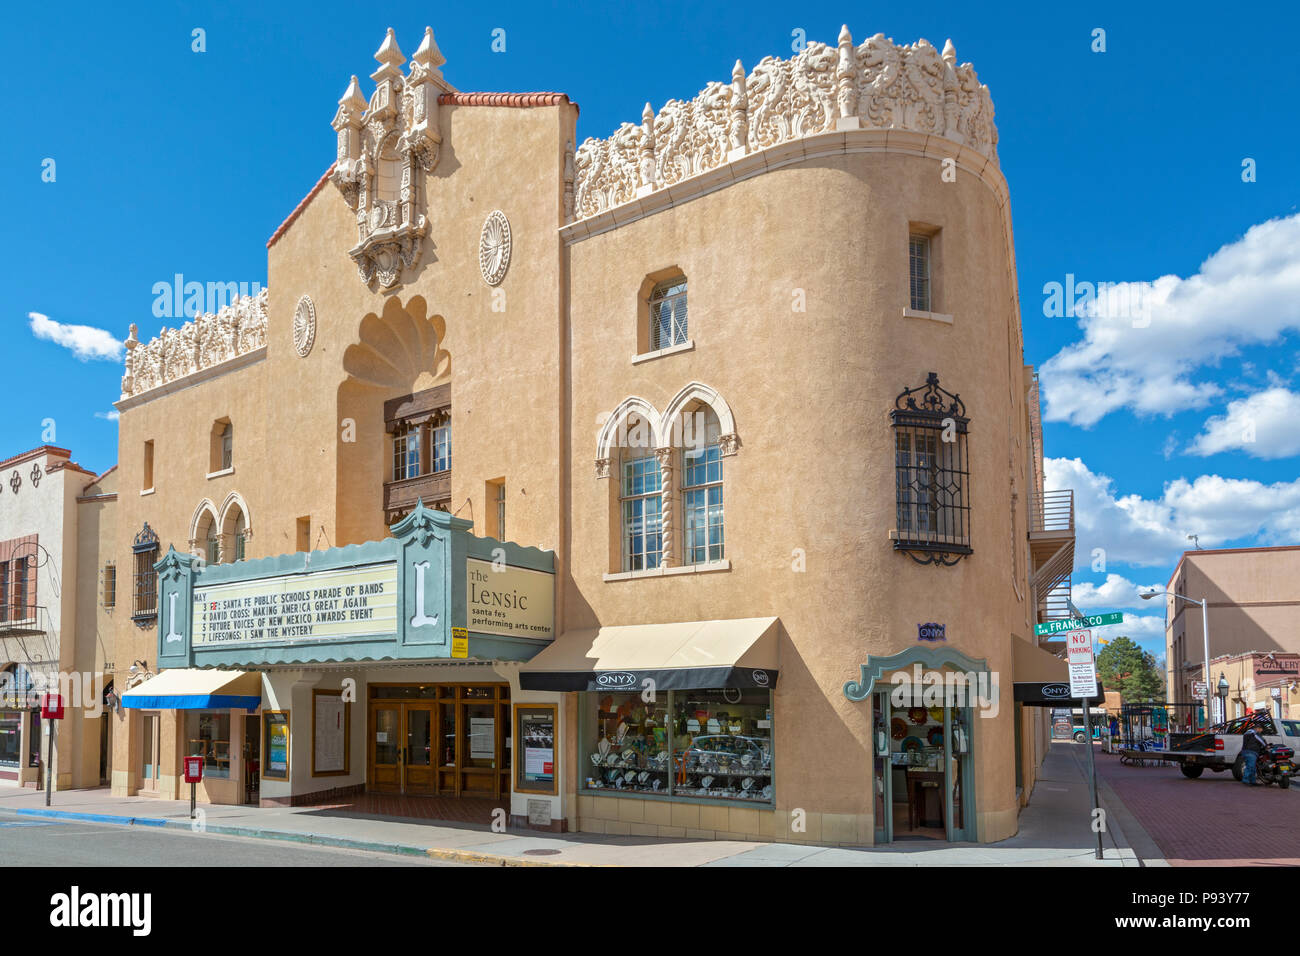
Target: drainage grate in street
(540, 852)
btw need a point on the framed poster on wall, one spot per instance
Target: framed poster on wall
(535, 753)
(275, 745)
(331, 721)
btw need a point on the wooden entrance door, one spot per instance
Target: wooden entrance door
(418, 757)
(385, 748)
(149, 753)
(401, 751)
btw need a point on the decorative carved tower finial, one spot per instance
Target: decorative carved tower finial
(846, 76)
(388, 78)
(646, 164)
(569, 177)
(424, 83)
(347, 123)
(383, 146)
(429, 56)
(738, 131)
(951, 105)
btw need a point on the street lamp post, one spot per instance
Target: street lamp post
(1223, 689)
(1205, 634)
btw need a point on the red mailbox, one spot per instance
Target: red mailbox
(193, 769)
(51, 707)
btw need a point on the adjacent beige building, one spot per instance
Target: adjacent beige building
(1254, 621)
(748, 374)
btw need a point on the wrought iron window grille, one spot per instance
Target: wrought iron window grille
(932, 474)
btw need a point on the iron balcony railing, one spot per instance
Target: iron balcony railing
(23, 619)
(1052, 511)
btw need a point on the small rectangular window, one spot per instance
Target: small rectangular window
(304, 533)
(147, 483)
(919, 272)
(406, 454)
(442, 448)
(109, 587)
(496, 503)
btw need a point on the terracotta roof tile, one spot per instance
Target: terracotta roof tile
(504, 99)
(35, 452)
(297, 211)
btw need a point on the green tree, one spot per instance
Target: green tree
(1123, 666)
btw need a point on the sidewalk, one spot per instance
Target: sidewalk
(1053, 832)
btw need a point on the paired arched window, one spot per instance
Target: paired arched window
(668, 471)
(220, 536)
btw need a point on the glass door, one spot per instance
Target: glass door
(386, 747)
(149, 753)
(418, 758)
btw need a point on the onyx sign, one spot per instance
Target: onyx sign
(930, 632)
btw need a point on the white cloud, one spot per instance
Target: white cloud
(1130, 529)
(112, 416)
(1264, 425)
(1246, 293)
(1115, 592)
(85, 341)
(1140, 627)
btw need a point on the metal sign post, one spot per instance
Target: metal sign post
(193, 774)
(1083, 685)
(51, 710)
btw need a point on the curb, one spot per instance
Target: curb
(288, 836)
(495, 859)
(91, 817)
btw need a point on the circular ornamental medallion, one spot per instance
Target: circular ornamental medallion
(494, 248)
(304, 326)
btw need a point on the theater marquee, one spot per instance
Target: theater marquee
(342, 604)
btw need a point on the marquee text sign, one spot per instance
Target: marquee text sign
(509, 601)
(339, 604)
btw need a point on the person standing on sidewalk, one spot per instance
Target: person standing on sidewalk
(1252, 743)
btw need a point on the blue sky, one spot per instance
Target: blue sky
(1124, 166)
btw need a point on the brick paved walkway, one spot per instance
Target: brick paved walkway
(1212, 821)
(412, 807)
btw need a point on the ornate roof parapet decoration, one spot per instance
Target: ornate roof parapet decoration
(873, 85)
(382, 145)
(208, 340)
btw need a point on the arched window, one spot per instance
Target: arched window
(702, 524)
(640, 498)
(206, 541)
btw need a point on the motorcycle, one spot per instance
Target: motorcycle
(1276, 765)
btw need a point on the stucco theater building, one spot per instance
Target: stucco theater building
(611, 482)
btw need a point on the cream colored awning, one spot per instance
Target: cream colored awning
(183, 688)
(694, 654)
(1031, 663)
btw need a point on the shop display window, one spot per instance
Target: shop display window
(693, 744)
(207, 735)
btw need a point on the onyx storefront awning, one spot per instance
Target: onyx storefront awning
(189, 688)
(680, 656)
(1042, 679)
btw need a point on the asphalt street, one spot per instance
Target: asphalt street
(30, 841)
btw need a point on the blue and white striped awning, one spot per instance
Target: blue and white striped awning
(194, 689)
